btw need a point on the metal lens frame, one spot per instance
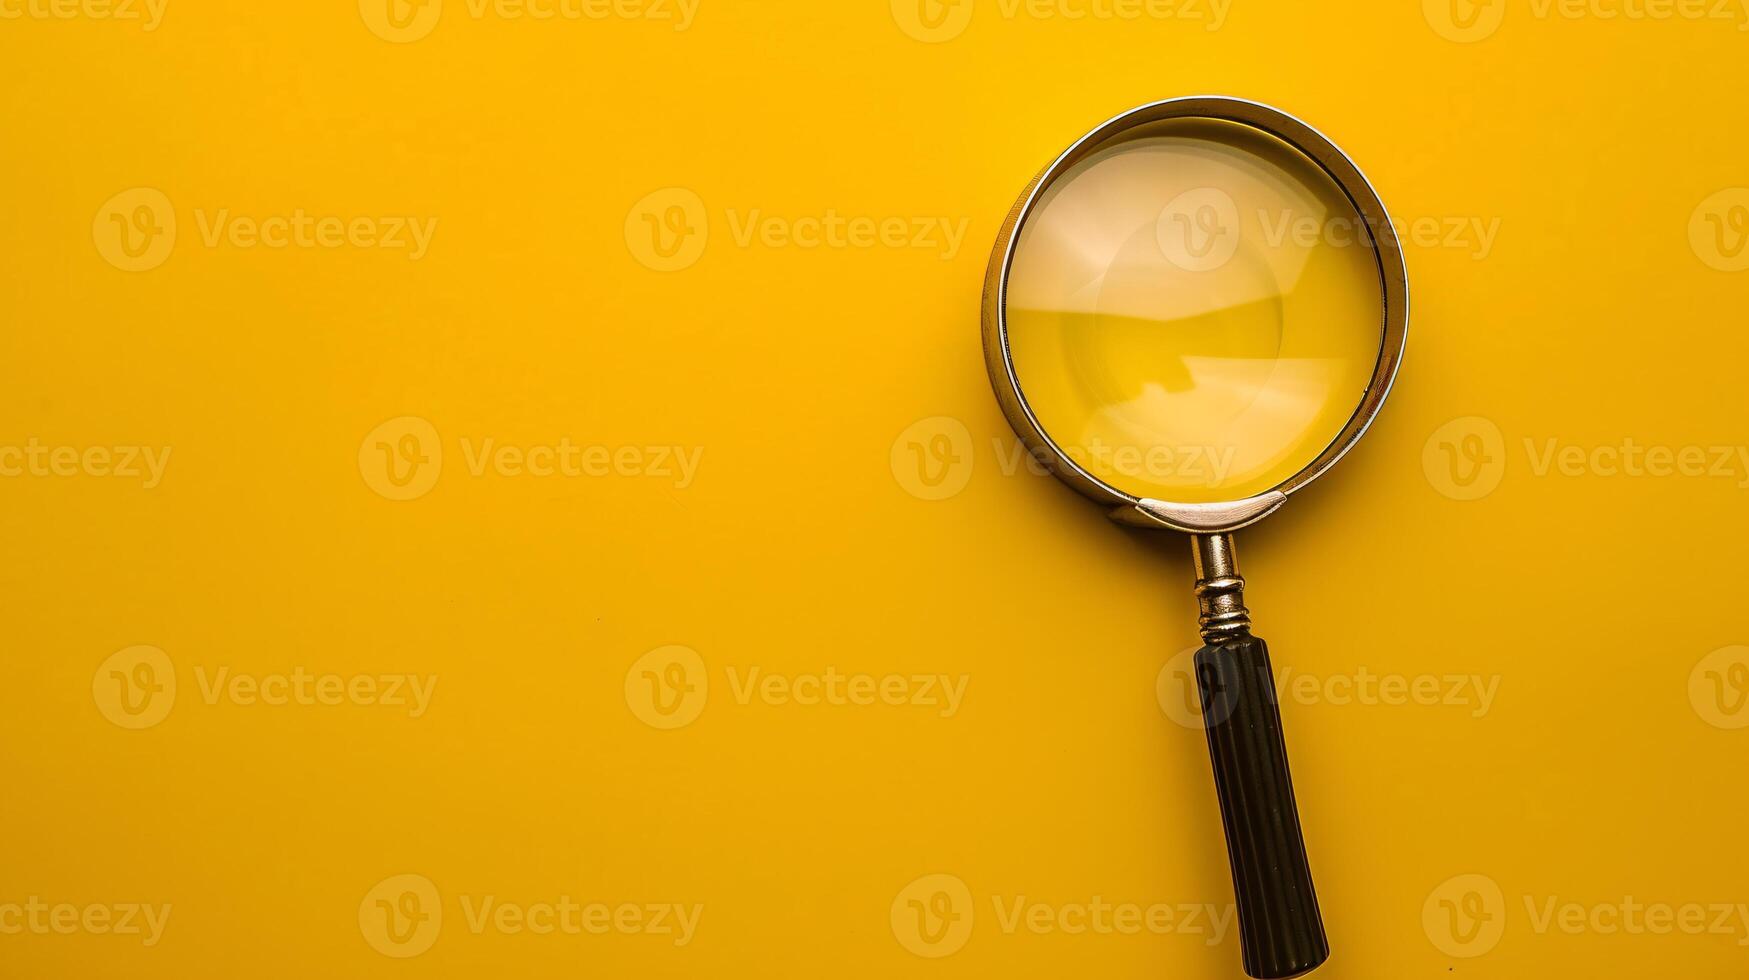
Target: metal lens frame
(1393, 276)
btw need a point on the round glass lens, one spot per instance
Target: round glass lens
(1194, 311)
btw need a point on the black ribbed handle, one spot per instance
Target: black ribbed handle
(1279, 927)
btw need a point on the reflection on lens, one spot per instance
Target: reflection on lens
(1194, 311)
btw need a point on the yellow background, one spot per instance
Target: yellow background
(805, 543)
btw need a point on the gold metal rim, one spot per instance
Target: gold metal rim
(1393, 276)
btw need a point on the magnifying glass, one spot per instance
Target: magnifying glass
(1193, 313)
